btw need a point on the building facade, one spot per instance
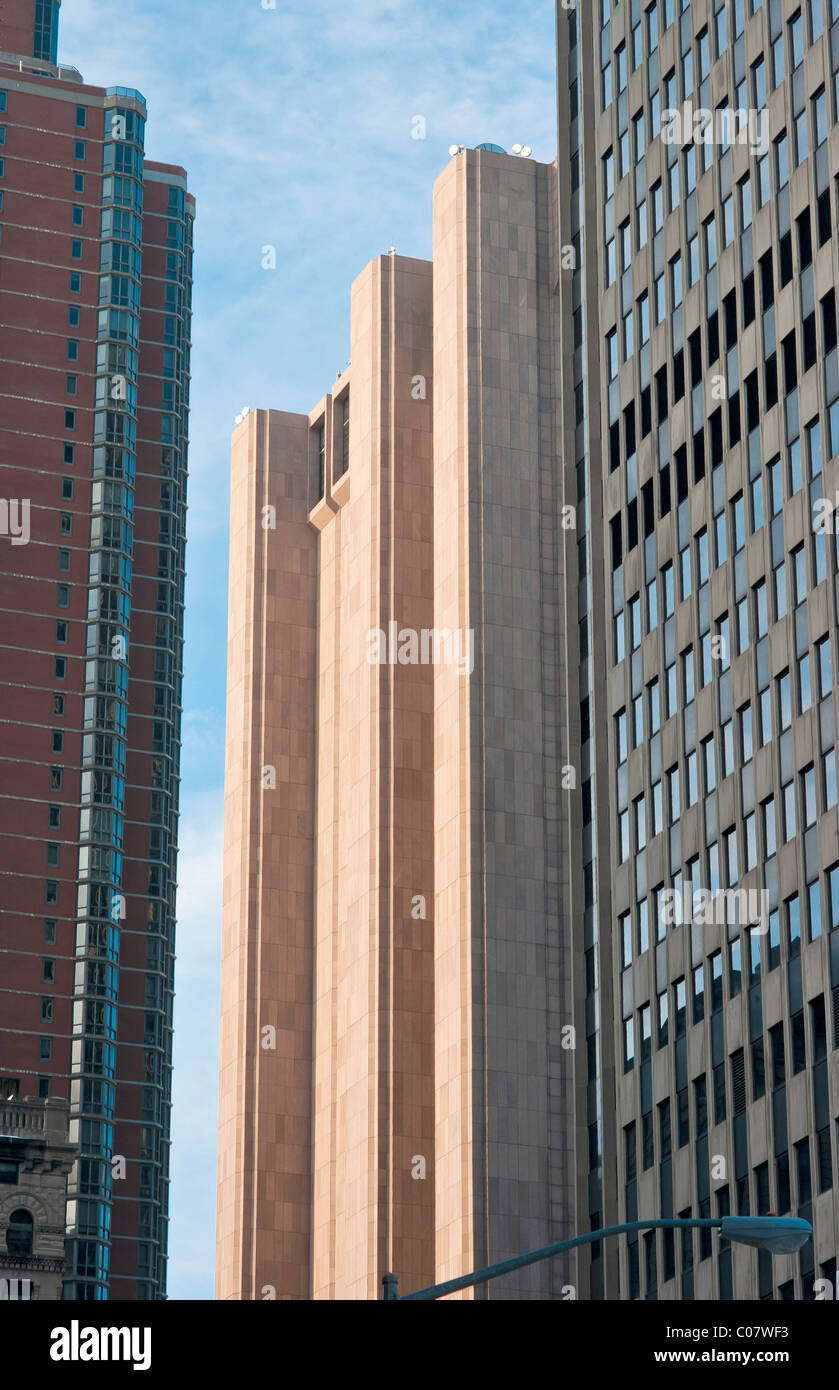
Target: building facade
(396, 846)
(702, 419)
(35, 1161)
(95, 291)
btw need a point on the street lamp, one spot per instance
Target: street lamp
(781, 1235)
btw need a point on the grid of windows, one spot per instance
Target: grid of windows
(707, 500)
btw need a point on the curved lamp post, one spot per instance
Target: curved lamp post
(781, 1235)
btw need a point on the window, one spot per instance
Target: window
(3, 96)
(80, 151)
(20, 1235)
(793, 922)
(799, 575)
(788, 801)
(765, 707)
(78, 183)
(612, 353)
(782, 162)
(761, 609)
(654, 707)
(676, 280)
(824, 667)
(699, 994)
(625, 933)
(628, 1044)
(606, 85)
(750, 830)
(685, 572)
(710, 763)
(767, 809)
(735, 968)
(800, 138)
(671, 682)
(814, 909)
(715, 964)
(608, 174)
(805, 697)
(818, 109)
(795, 30)
(643, 927)
(784, 699)
(688, 683)
(738, 518)
(702, 556)
(69, 419)
(658, 206)
(727, 747)
(746, 746)
(78, 217)
(692, 788)
(75, 284)
(663, 1019)
(620, 736)
(720, 537)
(81, 116)
(652, 28)
(626, 245)
(731, 861)
(779, 579)
(635, 621)
(808, 795)
(829, 779)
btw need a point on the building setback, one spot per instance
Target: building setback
(95, 292)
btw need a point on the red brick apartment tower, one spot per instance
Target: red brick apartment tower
(95, 294)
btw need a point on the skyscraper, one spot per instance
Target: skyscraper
(95, 293)
(573, 937)
(395, 1072)
(702, 409)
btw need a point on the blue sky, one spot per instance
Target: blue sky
(295, 126)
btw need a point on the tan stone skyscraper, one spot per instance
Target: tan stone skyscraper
(396, 990)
